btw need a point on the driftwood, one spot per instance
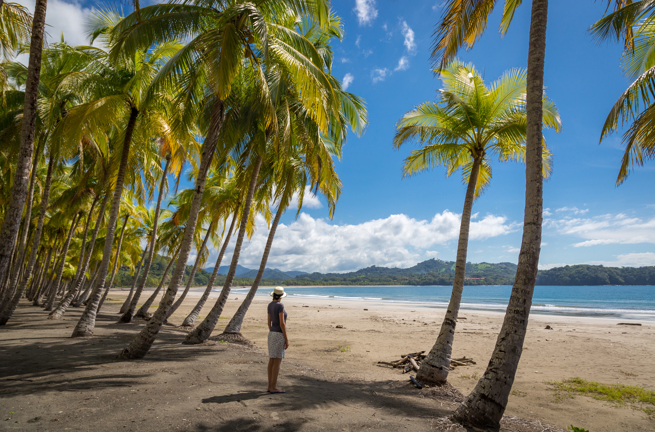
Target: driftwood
(631, 324)
(412, 362)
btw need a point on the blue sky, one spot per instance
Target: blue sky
(383, 219)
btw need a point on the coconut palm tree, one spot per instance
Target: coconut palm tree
(463, 23)
(14, 210)
(636, 106)
(469, 123)
(221, 35)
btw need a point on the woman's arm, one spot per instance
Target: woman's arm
(270, 323)
(283, 326)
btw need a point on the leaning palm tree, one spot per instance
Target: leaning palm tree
(14, 210)
(636, 22)
(222, 36)
(463, 23)
(469, 123)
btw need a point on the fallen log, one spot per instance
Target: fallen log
(630, 324)
(413, 363)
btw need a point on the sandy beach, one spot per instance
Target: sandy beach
(51, 382)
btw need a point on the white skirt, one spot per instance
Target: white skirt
(275, 344)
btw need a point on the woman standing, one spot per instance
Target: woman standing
(277, 338)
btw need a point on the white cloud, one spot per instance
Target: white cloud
(345, 60)
(367, 53)
(547, 212)
(347, 80)
(379, 75)
(403, 64)
(310, 244)
(573, 210)
(366, 11)
(512, 249)
(358, 40)
(606, 229)
(409, 37)
(64, 17)
(309, 200)
(629, 260)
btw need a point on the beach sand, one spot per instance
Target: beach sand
(51, 382)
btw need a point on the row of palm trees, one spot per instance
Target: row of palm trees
(243, 94)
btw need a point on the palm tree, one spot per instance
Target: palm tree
(14, 211)
(221, 34)
(464, 23)
(467, 124)
(636, 105)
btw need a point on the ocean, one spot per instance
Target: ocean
(622, 302)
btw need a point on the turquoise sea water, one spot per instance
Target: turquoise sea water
(624, 302)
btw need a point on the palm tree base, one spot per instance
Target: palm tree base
(236, 338)
(480, 412)
(126, 318)
(433, 375)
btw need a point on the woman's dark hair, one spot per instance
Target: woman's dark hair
(277, 296)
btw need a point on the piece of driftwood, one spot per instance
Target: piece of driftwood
(413, 363)
(632, 324)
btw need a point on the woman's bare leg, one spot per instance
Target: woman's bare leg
(275, 372)
(270, 373)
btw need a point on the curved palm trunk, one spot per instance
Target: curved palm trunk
(116, 259)
(129, 313)
(85, 259)
(44, 273)
(81, 299)
(204, 330)
(39, 267)
(87, 321)
(14, 212)
(80, 264)
(137, 272)
(143, 311)
(486, 403)
(144, 340)
(234, 326)
(60, 270)
(47, 281)
(189, 283)
(39, 230)
(434, 369)
(20, 263)
(190, 320)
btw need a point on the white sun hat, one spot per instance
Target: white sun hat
(278, 291)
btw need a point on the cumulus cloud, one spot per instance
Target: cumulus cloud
(607, 229)
(379, 75)
(64, 17)
(408, 33)
(310, 244)
(309, 200)
(366, 11)
(629, 260)
(573, 210)
(403, 64)
(347, 80)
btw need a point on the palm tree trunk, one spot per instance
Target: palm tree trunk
(60, 271)
(204, 330)
(11, 223)
(19, 266)
(189, 283)
(47, 281)
(434, 369)
(116, 259)
(129, 313)
(38, 292)
(234, 326)
(45, 196)
(190, 320)
(144, 340)
(87, 321)
(38, 267)
(85, 259)
(84, 237)
(81, 299)
(487, 402)
(137, 272)
(143, 311)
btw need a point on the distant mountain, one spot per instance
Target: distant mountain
(222, 270)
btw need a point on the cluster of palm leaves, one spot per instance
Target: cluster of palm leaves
(241, 94)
